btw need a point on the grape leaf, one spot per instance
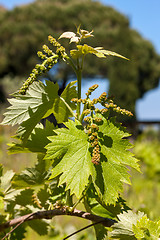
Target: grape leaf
(6, 181)
(107, 211)
(43, 196)
(60, 110)
(38, 99)
(111, 173)
(101, 232)
(67, 35)
(39, 226)
(36, 142)
(29, 109)
(6, 191)
(82, 50)
(31, 177)
(75, 167)
(70, 149)
(124, 228)
(102, 53)
(146, 229)
(25, 197)
(1, 170)
(98, 51)
(18, 233)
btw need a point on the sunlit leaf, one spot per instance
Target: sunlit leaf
(102, 53)
(112, 172)
(123, 230)
(82, 51)
(146, 229)
(67, 35)
(39, 101)
(72, 144)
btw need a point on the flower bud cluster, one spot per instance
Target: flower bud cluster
(47, 50)
(91, 89)
(123, 111)
(38, 70)
(61, 52)
(76, 100)
(93, 138)
(49, 60)
(102, 98)
(36, 201)
(97, 110)
(59, 204)
(87, 119)
(97, 120)
(115, 108)
(86, 112)
(104, 110)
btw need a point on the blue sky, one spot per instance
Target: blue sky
(144, 17)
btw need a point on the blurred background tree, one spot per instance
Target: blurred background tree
(25, 29)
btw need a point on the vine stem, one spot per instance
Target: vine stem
(79, 80)
(69, 108)
(69, 199)
(49, 214)
(88, 226)
(78, 71)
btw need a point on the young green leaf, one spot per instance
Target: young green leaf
(39, 226)
(6, 191)
(25, 197)
(67, 35)
(123, 230)
(112, 172)
(38, 99)
(60, 109)
(19, 233)
(29, 109)
(72, 147)
(82, 50)
(102, 53)
(98, 51)
(71, 35)
(6, 181)
(39, 102)
(146, 229)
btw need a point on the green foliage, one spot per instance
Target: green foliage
(72, 148)
(114, 158)
(24, 29)
(149, 153)
(135, 226)
(24, 107)
(29, 109)
(86, 161)
(145, 191)
(36, 142)
(124, 228)
(146, 229)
